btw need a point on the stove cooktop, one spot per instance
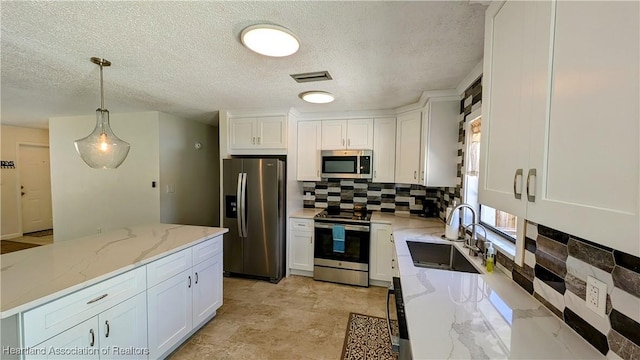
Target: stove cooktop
(343, 215)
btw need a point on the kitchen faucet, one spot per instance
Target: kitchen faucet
(472, 243)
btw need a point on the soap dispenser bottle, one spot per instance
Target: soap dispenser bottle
(490, 258)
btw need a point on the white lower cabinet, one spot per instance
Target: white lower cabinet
(381, 264)
(301, 241)
(183, 302)
(117, 333)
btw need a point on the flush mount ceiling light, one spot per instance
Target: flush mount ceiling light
(270, 40)
(317, 97)
(102, 149)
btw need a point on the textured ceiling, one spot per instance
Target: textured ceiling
(185, 58)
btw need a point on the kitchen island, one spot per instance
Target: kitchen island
(56, 291)
(458, 315)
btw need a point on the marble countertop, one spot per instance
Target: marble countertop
(35, 276)
(305, 213)
(456, 315)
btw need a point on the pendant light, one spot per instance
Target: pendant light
(102, 149)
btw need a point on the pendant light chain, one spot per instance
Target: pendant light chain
(101, 89)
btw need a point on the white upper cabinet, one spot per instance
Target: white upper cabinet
(560, 102)
(408, 148)
(354, 134)
(384, 150)
(249, 133)
(309, 133)
(439, 162)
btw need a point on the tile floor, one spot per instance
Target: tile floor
(298, 318)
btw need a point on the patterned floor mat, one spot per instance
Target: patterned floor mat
(367, 337)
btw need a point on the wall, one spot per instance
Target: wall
(189, 177)
(10, 225)
(392, 198)
(85, 199)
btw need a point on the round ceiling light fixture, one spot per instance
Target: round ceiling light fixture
(317, 97)
(270, 40)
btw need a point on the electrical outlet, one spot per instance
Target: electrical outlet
(307, 195)
(99, 231)
(596, 296)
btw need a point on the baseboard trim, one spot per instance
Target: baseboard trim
(301, 272)
(380, 283)
(10, 236)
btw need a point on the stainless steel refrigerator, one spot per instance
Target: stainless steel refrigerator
(254, 213)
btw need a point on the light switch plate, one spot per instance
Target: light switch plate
(596, 296)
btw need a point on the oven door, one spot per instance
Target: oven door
(356, 246)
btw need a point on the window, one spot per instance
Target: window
(499, 221)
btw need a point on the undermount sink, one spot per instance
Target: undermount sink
(439, 256)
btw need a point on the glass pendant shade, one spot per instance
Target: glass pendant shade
(102, 149)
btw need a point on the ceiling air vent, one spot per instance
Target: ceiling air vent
(312, 76)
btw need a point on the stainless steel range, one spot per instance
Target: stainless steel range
(348, 263)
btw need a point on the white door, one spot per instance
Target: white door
(169, 312)
(591, 142)
(309, 150)
(408, 148)
(271, 132)
(384, 150)
(505, 125)
(35, 182)
(334, 134)
(83, 336)
(302, 250)
(381, 252)
(123, 327)
(243, 133)
(360, 134)
(207, 288)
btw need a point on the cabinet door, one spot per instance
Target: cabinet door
(381, 252)
(309, 150)
(272, 132)
(242, 133)
(360, 134)
(207, 289)
(384, 150)
(587, 160)
(124, 327)
(302, 250)
(504, 150)
(83, 336)
(440, 143)
(170, 313)
(334, 134)
(408, 148)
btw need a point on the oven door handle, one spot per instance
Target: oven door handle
(361, 228)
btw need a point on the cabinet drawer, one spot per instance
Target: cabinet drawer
(205, 250)
(59, 315)
(168, 266)
(301, 224)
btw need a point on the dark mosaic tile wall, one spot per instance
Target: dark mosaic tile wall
(392, 198)
(555, 272)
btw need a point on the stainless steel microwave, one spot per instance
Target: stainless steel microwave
(347, 164)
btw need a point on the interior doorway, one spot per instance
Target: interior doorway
(35, 188)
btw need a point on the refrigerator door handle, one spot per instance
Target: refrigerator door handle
(239, 207)
(244, 204)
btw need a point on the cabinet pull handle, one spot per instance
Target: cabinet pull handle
(253, 140)
(189, 281)
(531, 198)
(97, 299)
(196, 278)
(348, 142)
(108, 328)
(93, 337)
(415, 174)
(259, 140)
(318, 173)
(342, 142)
(518, 195)
(422, 175)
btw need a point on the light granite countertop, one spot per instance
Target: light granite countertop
(305, 213)
(35, 276)
(456, 315)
